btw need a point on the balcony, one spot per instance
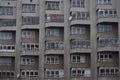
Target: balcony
(30, 49)
(55, 20)
(107, 15)
(108, 44)
(79, 18)
(82, 46)
(30, 22)
(6, 50)
(80, 60)
(53, 7)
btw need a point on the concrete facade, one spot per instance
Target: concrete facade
(59, 40)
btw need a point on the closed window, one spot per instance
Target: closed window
(5, 35)
(52, 5)
(106, 13)
(108, 71)
(52, 59)
(29, 73)
(6, 74)
(6, 10)
(28, 8)
(30, 46)
(105, 56)
(80, 15)
(80, 72)
(28, 34)
(52, 32)
(7, 22)
(5, 61)
(30, 20)
(27, 60)
(105, 28)
(7, 48)
(78, 30)
(80, 44)
(78, 3)
(54, 45)
(54, 73)
(104, 1)
(77, 58)
(107, 42)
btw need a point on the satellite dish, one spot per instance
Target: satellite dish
(70, 18)
(18, 75)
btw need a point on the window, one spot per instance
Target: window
(78, 30)
(30, 46)
(54, 73)
(106, 13)
(105, 56)
(29, 73)
(7, 22)
(80, 44)
(54, 45)
(80, 15)
(78, 72)
(28, 8)
(78, 3)
(5, 61)
(52, 32)
(104, 1)
(105, 28)
(52, 5)
(55, 18)
(30, 20)
(7, 48)
(52, 59)
(6, 74)
(27, 60)
(77, 58)
(5, 35)
(107, 42)
(108, 71)
(6, 10)
(28, 34)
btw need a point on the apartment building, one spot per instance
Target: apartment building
(59, 39)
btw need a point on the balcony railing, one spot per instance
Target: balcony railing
(55, 18)
(106, 13)
(80, 16)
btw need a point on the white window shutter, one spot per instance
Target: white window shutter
(82, 59)
(61, 74)
(87, 73)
